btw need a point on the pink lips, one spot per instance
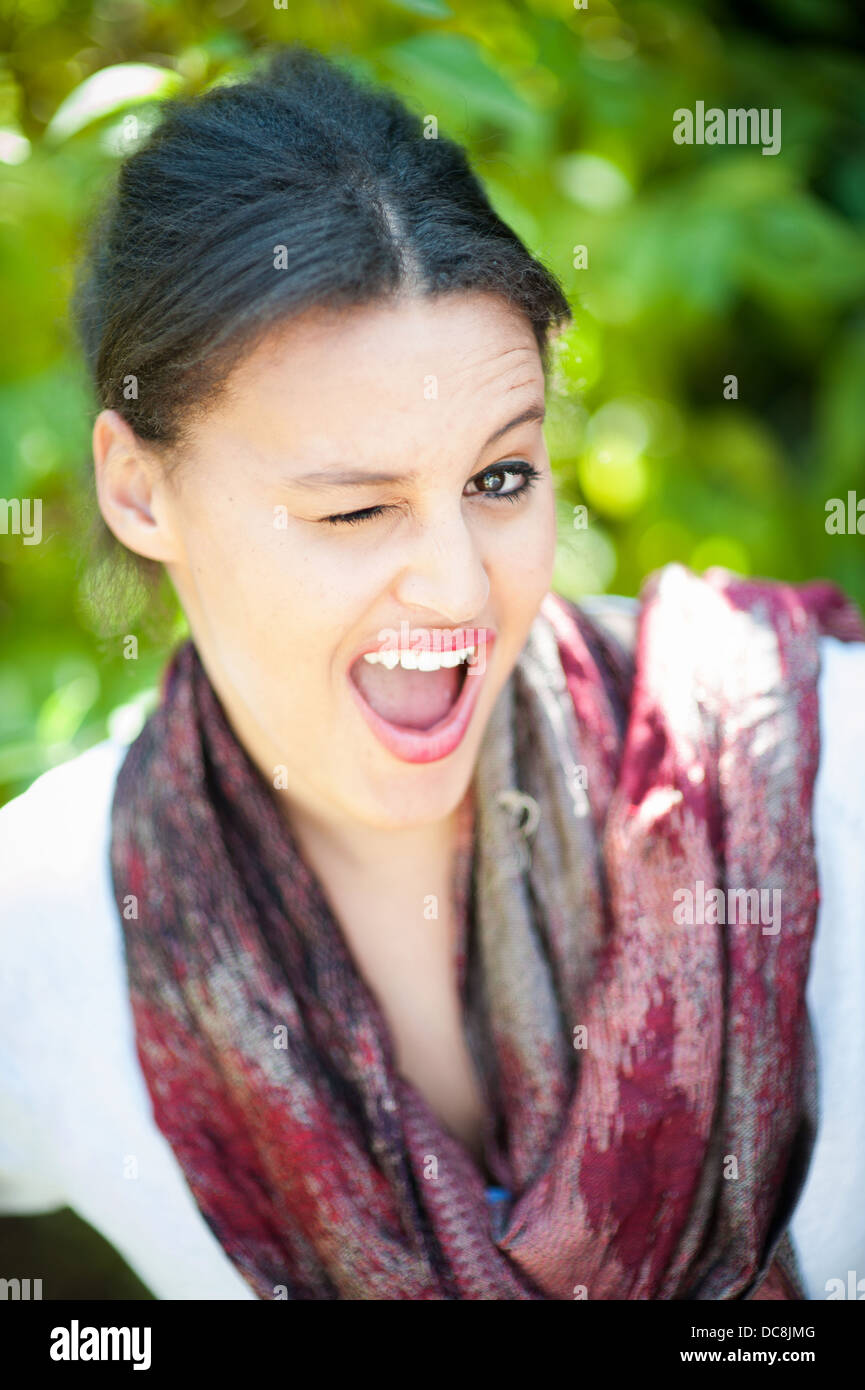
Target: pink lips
(430, 745)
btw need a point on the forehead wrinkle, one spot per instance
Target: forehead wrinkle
(512, 361)
(353, 477)
(470, 358)
(497, 372)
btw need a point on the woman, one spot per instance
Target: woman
(373, 959)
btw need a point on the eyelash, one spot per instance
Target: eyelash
(521, 469)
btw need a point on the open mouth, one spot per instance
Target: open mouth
(419, 703)
(410, 697)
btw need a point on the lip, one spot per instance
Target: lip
(441, 739)
(448, 639)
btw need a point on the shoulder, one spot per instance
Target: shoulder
(51, 835)
(842, 716)
(841, 686)
(607, 627)
(839, 790)
(57, 925)
(59, 947)
(54, 873)
(839, 829)
(615, 614)
(826, 1227)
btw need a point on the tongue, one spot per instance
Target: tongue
(415, 699)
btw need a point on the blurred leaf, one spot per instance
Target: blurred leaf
(435, 9)
(841, 412)
(453, 67)
(66, 708)
(108, 91)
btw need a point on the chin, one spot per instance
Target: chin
(409, 797)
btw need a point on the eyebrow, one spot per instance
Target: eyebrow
(327, 477)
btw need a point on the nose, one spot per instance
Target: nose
(445, 572)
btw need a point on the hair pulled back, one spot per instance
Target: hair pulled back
(295, 187)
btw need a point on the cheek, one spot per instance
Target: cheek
(521, 556)
(254, 571)
(273, 612)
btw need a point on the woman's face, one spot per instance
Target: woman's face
(393, 415)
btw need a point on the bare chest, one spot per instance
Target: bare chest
(409, 965)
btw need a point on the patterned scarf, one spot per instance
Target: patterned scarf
(638, 1027)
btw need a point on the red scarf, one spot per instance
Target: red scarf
(650, 1080)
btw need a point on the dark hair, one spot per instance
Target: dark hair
(179, 277)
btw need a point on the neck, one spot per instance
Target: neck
(385, 857)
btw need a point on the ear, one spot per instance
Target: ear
(131, 489)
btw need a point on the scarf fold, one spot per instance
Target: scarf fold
(637, 895)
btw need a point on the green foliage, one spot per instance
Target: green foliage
(702, 261)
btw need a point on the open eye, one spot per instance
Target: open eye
(494, 481)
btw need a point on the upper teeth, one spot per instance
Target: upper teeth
(420, 661)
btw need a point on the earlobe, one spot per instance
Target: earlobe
(130, 489)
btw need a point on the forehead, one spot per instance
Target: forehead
(384, 376)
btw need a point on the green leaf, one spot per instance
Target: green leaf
(66, 708)
(450, 68)
(107, 91)
(435, 9)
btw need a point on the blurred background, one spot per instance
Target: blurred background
(686, 265)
